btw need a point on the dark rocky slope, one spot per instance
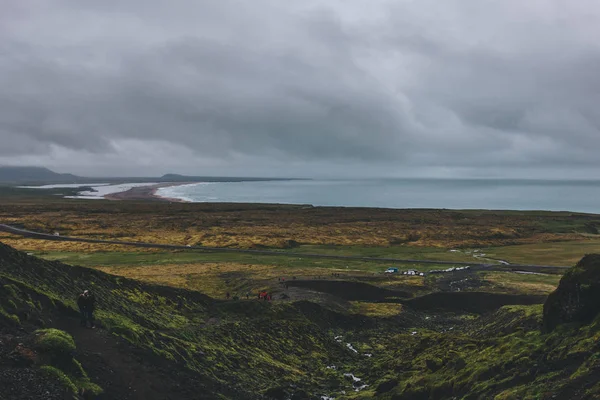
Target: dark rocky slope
(577, 298)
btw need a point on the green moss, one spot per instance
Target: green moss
(12, 304)
(528, 311)
(121, 326)
(89, 389)
(9, 318)
(55, 342)
(59, 376)
(11, 290)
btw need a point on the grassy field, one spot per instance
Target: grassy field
(550, 253)
(217, 273)
(279, 226)
(462, 236)
(522, 283)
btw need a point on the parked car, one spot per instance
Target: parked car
(391, 271)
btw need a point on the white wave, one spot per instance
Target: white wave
(180, 192)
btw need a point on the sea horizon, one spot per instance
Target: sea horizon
(397, 193)
(448, 193)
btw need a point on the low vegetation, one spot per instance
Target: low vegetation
(56, 343)
(341, 329)
(256, 349)
(279, 226)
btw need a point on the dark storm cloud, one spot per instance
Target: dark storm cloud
(389, 88)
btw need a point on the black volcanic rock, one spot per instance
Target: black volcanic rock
(577, 298)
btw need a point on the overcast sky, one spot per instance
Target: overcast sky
(302, 88)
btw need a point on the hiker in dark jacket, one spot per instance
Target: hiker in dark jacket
(87, 303)
(82, 303)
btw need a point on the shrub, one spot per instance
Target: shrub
(54, 342)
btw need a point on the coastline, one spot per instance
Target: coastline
(380, 194)
(147, 193)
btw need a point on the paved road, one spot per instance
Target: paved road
(503, 267)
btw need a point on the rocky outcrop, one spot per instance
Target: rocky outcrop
(577, 298)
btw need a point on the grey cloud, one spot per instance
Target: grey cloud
(396, 87)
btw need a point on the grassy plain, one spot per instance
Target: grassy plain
(466, 236)
(547, 253)
(286, 226)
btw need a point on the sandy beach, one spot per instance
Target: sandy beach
(146, 193)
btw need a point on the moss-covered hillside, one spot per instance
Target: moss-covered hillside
(221, 349)
(157, 342)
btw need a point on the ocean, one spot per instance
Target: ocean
(503, 194)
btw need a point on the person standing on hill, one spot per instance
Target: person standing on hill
(86, 303)
(82, 304)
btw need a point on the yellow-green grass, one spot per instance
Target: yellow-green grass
(126, 259)
(276, 226)
(400, 252)
(214, 279)
(375, 309)
(550, 253)
(522, 283)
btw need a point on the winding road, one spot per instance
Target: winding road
(499, 267)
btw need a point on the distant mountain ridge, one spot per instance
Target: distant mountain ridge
(186, 178)
(33, 174)
(39, 175)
